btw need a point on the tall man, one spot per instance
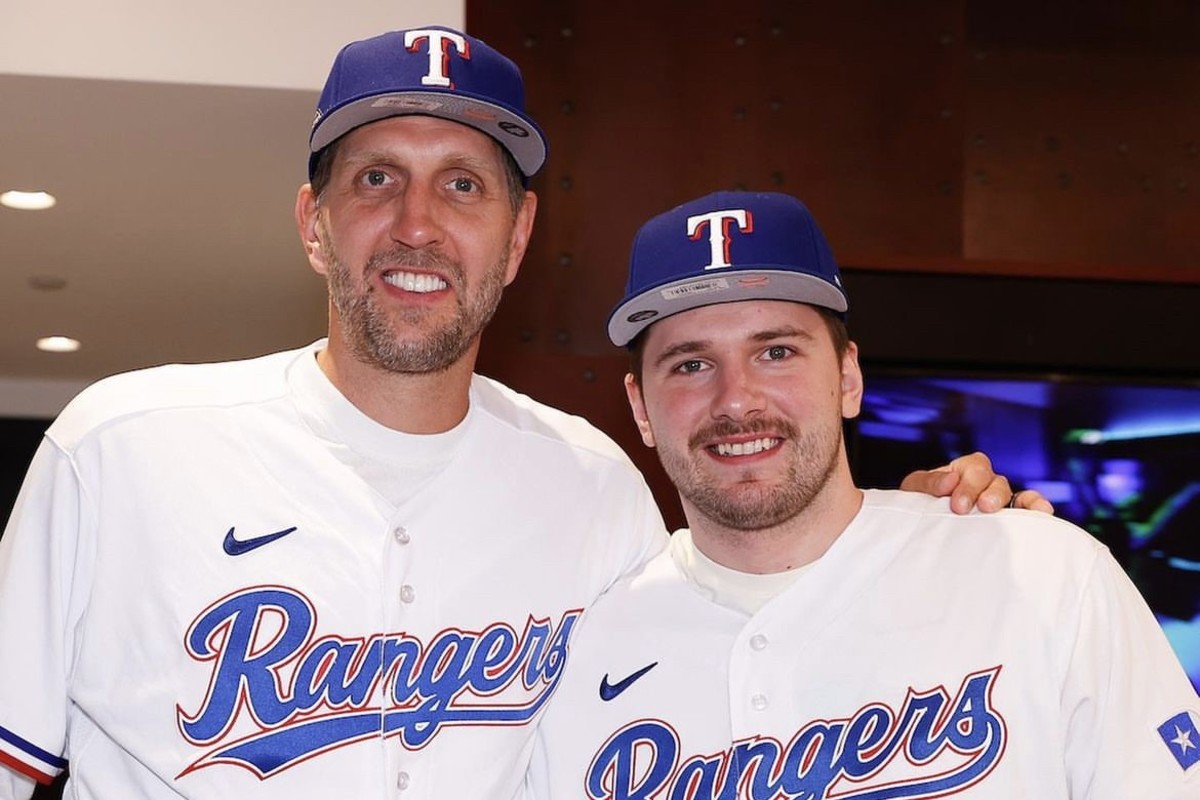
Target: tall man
(348, 570)
(808, 639)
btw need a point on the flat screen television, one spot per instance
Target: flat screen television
(1118, 456)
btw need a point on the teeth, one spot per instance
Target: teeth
(746, 448)
(414, 282)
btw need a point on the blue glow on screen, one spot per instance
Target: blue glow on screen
(1121, 459)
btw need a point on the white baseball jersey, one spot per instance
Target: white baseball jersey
(926, 654)
(207, 589)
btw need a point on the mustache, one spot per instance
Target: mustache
(725, 428)
(403, 257)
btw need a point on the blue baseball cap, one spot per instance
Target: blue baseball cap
(724, 248)
(434, 71)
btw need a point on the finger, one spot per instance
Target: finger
(1032, 500)
(994, 496)
(977, 485)
(986, 491)
(937, 482)
(976, 460)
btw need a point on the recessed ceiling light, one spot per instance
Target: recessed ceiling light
(28, 201)
(58, 344)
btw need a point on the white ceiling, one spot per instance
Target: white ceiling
(174, 136)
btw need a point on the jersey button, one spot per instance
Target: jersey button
(758, 642)
(758, 702)
(402, 781)
(402, 535)
(407, 594)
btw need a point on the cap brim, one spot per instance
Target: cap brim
(518, 134)
(724, 286)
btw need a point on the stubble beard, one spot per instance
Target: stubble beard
(376, 335)
(754, 505)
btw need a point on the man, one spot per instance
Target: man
(806, 639)
(349, 570)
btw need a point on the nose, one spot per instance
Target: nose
(416, 222)
(738, 394)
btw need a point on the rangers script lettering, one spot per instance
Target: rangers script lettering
(954, 744)
(305, 696)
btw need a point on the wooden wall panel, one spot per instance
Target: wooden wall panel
(650, 104)
(1085, 158)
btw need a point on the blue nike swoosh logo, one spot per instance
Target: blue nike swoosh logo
(237, 547)
(610, 690)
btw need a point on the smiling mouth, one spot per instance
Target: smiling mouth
(746, 448)
(418, 282)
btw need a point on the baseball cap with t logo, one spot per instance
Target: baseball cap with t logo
(434, 71)
(723, 248)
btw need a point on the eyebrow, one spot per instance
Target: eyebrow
(455, 161)
(681, 349)
(692, 346)
(784, 332)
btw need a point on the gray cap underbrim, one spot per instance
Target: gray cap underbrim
(519, 135)
(720, 286)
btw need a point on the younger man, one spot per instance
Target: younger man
(809, 639)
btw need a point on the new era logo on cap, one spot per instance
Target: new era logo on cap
(1180, 736)
(434, 71)
(724, 248)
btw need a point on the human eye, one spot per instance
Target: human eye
(464, 184)
(374, 178)
(777, 352)
(689, 367)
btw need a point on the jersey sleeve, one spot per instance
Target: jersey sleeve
(650, 537)
(1130, 711)
(630, 531)
(38, 554)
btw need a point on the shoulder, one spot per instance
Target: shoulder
(1044, 535)
(657, 584)
(172, 387)
(654, 604)
(528, 418)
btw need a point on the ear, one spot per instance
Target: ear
(637, 404)
(519, 238)
(308, 216)
(852, 383)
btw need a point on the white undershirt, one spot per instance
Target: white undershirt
(741, 591)
(395, 464)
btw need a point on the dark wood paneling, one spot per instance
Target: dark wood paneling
(650, 104)
(1087, 158)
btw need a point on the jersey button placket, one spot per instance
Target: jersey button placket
(400, 549)
(402, 537)
(758, 643)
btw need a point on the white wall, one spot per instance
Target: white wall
(278, 44)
